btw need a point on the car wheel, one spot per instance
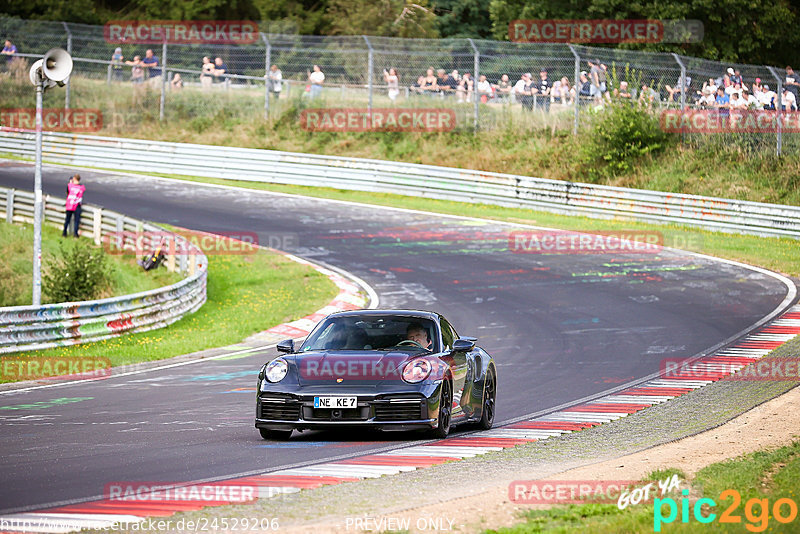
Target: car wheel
(280, 435)
(489, 396)
(445, 409)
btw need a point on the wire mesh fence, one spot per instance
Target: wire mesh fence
(487, 84)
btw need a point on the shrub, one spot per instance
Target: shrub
(79, 272)
(620, 135)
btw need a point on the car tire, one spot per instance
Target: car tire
(445, 409)
(489, 397)
(280, 435)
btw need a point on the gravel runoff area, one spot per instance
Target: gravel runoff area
(472, 495)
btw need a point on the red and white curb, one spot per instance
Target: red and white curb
(107, 512)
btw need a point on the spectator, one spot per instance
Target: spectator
(73, 206)
(597, 75)
(586, 86)
(756, 83)
(792, 81)
(485, 91)
(137, 70)
(736, 75)
(275, 80)
(419, 86)
(788, 100)
(623, 91)
(177, 82)
(206, 73)
(675, 92)
(708, 100)
(503, 87)
(316, 79)
(647, 96)
(393, 83)
(150, 62)
(751, 101)
(736, 102)
(446, 83)
(563, 91)
(722, 102)
(465, 88)
(522, 92)
(768, 98)
(711, 85)
(431, 81)
(220, 71)
(727, 84)
(9, 52)
(117, 64)
(455, 76)
(543, 88)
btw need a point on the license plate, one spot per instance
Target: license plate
(335, 402)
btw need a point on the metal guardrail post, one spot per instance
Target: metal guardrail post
(162, 102)
(475, 77)
(171, 254)
(779, 109)
(369, 73)
(97, 225)
(577, 88)
(10, 206)
(267, 81)
(69, 51)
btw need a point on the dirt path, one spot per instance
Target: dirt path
(768, 426)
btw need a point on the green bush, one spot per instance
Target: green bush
(79, 272)
(620, 135)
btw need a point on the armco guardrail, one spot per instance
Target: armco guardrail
(410, 179)
(70, 323)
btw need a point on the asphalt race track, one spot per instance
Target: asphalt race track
(561, 327)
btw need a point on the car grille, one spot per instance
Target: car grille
(325, 414)
(280, 411)
(398, 412)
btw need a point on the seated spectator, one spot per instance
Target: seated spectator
(392, 82)
(431, 81)
(117, 64)
(418, 86)
(137, 70)
(711, 85)
(647, 96)
(756, 83)
(726, 84)
(465, 88)
(751, 100)
(723, 100)
(586, 85)
(708, 100)
(485, 91)
(788, 100)
(737, 102)
(503, 87)
(206, 73)
(220, 70)
(736, 76)
(623, 91)
(768, 98)
(446, 83)
(674, 93)
(177, 82)
(563, 91)
(455, 76)
(792, 81)
(9, 52)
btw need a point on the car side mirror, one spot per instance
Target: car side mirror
(287, 345)
(464, 344)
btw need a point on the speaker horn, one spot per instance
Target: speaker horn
(57, 64)
(36, 71)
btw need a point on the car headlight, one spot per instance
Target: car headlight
(276, 370)
(416, 371)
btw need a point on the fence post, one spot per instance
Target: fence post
(69, 51)
(10, 206)
(577, 88)
(267, 81)
(171, 254)
(779, 109)
(369, 74)
(475, 77)
(162, 103)
(98, 225)
(683, 90)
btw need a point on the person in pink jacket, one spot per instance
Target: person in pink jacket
(74, 200)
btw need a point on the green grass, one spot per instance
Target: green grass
(16, 269)
(246, 294)
(770, 475)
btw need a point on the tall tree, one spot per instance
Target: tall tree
(463, 18)
(390, 18)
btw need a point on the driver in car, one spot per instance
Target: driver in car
(419, 335)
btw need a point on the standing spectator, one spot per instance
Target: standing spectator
(503, 87)
(137, 70)
(543, 88)
(522, 92)
(150, 62)
(485, 91)
(788, 101)
(73, 206)
(647, 96)
(563, 91)
(392, 83)
(9, 52)
(220, 71)
(275, 80)
(465, 88)
(792, 81)
(316, 79)
(597, 75)
(117, 62)
(177, 82)
(623, 91)
(756, 84)
(206, 73)
(675, 92)
(736, 75)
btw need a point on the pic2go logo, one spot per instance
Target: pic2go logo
(756, 511)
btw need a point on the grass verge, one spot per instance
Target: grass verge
(246, 294)
(760, 480)
(16, 269)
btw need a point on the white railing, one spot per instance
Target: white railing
(25, 328)
(571, 198)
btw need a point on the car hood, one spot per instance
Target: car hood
(351, 367)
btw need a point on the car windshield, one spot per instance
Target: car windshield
(374, 332)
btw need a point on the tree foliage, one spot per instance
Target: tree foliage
(391, 18)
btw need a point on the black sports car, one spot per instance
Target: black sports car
(387, 369)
